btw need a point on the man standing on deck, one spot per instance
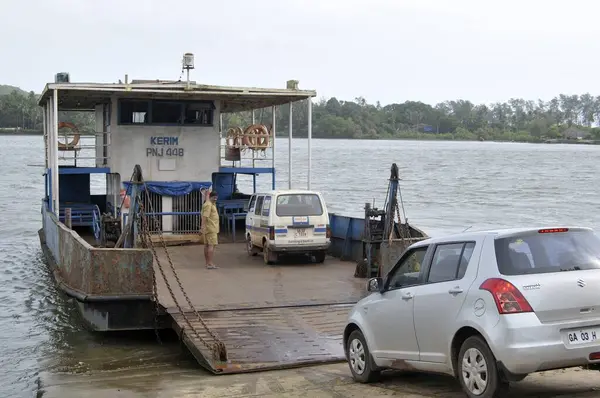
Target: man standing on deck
(210, 228)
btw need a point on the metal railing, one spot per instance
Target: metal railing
(187, 208)
(159, 218)
(248, 156)
(183, 216)
(92, 150)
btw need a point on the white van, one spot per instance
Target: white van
(287, 222)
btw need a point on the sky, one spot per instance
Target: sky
(383, 50)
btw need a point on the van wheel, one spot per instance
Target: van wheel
(250, 247)
(268, 256)
(320, 257)
(477, 371)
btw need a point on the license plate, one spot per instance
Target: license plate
(583, 336)
(300, 233)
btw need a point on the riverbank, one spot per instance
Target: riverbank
(20, 132)
(317, 381)
(409, 137)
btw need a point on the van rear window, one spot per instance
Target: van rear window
(303, 204)
(537, 253)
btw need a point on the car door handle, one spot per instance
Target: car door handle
(455, 290)
(407, 296)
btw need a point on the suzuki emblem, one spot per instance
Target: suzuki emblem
(580, 283)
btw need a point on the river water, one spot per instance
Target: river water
(446, 187)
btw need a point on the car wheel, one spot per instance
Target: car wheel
(320, 257)
(250, 246)
(359, 359)
(268, 256)
(477, 370)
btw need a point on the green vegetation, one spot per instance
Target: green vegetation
(20, 113)
(568, 117)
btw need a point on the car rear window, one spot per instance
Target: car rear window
(305, 204)
(536, 253)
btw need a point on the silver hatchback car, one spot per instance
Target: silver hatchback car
(487, 307)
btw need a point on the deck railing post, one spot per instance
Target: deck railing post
(290, 149)
(54, 144)
(273, 129)
(68, 221)
(309, 140)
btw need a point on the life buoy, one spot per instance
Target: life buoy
(69, 145)
(256, 136)
(125, 200)
(234, 137)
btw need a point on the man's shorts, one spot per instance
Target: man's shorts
(210, 239)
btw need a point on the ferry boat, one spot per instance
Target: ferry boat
(131, 255)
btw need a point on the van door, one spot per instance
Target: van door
(302, 214)
(250, 216)
(257, 233)
(266, 217)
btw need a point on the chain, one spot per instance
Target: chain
(154, 285)
(218, 348)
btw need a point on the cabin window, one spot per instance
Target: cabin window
(199, 113)
(166, 112)
(134, 112)
(196, 113)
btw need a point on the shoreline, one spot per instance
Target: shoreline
(547, 141)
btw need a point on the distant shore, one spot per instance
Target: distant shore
(20, 132)
(432, 137)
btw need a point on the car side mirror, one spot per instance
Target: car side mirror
(375, 285)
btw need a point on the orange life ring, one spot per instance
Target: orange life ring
(125, 199)
(234, 137)
(69, 145)
(256, 136)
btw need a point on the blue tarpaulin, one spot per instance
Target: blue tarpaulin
(171, 188)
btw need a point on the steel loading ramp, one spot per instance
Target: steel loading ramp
(263, 339)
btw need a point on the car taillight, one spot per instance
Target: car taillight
(508, 298)
(328, 232)
(271, 233)
(552, 230)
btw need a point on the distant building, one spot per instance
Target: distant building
(573, 133)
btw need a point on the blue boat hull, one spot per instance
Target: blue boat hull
(347, 237)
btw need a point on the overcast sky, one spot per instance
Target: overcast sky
(386, 50)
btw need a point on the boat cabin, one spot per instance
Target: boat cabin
(175, 131)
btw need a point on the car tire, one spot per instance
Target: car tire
(320, 257)
(477, 371)
(359, 359)
(268, 256)
(250, 247)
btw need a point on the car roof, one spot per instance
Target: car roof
(498, 233)
(286, 191)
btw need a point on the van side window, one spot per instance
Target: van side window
(252, 203)
(259, 204)
(266, 207)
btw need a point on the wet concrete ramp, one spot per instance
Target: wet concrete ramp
(262, 339)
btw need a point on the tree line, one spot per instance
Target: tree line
(19, 110)
(565, 116)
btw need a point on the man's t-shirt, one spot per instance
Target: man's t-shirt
(209, 210)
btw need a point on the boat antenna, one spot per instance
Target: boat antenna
(187, 63)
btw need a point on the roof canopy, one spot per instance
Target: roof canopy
(85, 96)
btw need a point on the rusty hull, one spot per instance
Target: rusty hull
(92, 271)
